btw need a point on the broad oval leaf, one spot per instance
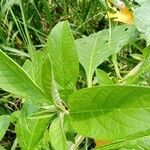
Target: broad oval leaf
(111, 112)
(63, 55)
(4, 123)
(96, 48)
(14, 80)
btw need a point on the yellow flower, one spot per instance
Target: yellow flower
(122, 15)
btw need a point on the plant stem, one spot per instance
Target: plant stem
(114, 60)
(89, 81)
(14, 145)
(78, 140)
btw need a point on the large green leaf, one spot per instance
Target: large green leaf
(4, 123)
(14, 80)
(96, 48)
(142, 19)
(111, 112)
(57, 135)
(30, 131)
(63, 55)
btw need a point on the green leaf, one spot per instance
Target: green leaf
(40, 71)
(30, 131)
(103, 77)
(96, 48)
(45, 143)
(57, 135)
(14, 80)
(63, 55)
(15, 116)
(142, 19)
(4, 123)
(111, 112)
(46, 76)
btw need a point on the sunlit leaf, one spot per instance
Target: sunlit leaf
(96, 48)
(111, 112)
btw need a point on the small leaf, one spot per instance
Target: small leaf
(103, 77)
(15, 116)
(137, 56)
(4, 123)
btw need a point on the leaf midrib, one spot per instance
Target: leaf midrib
(106, 109)
(35, 87)
(89, 74)
(31, 137)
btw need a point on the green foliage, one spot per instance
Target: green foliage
(96, 48)
(15, 80)
(43, 105)
(30, 131)
(61, 49)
